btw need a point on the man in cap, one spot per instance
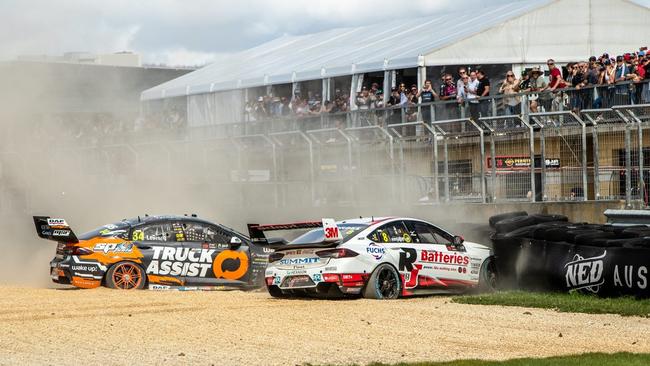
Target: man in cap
(536, 85)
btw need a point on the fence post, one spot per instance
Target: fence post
(628, 168)
(435, 165)
(493, 159)
(641, 182)
(446, 152)
(596, 148)
(542, 158)
(585, 185)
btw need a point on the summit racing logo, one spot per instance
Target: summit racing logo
(443, 258)
(299, 261)
(585, 273)
(376, 251)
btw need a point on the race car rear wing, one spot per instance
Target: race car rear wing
(54, 229)
(256, 231)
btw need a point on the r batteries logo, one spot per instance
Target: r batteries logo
(585, 273)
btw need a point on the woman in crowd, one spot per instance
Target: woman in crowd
(509, 86)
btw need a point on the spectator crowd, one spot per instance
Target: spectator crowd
(594, 83)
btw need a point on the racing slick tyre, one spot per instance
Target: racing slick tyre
(488, 278)
(125, 276)
(514, 223)
(496, 218)
(384, 283)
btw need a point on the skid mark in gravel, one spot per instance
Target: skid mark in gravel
(234, 328)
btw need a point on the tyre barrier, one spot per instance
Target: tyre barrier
(548, 253)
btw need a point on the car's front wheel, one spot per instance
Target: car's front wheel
(384, 283)
(488, 278)
(125, 276)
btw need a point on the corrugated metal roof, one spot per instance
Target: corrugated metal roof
(343, 51)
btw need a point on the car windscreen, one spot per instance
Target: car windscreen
(118, 229)
(348, 231)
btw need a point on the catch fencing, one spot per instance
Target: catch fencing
(423, 154)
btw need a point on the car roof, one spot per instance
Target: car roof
(152, 218)
(364, 220)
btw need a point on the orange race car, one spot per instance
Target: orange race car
(158, 252)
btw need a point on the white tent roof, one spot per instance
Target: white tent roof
(519, 32)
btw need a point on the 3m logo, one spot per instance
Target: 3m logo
(331, 232)
(585, 273)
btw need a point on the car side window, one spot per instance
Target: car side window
(154, 232)
(428, 233)
(393, 232)
(197, 231)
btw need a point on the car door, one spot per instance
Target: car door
(160, 245)
(442, 263)
(395, 236)
(215, 260)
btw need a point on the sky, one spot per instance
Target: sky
(190, 32)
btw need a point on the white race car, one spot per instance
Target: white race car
(378, 258)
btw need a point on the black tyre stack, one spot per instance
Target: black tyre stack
(548, 253)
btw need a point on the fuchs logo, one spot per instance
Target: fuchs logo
(376, 251)
(585, 273)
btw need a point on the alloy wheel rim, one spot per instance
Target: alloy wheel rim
(127, 276)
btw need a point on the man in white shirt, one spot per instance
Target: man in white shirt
(471, 96)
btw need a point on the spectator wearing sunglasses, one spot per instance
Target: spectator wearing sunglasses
(555, 75)
(427, 95)
(448, 92)
(509, 86)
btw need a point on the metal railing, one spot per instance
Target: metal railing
(392, 155)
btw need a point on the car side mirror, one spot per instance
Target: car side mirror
(235, 242)
(458, 240)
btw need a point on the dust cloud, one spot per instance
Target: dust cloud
(60, 157)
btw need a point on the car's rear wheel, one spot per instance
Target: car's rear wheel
(275, 291)
(384, 283)
(488, 279)
(125, 276)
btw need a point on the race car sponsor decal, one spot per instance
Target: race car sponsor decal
(195, 262)
(159, 287)
(61, 233)
(408, 268)
(317, 277)
(113, 247)
(585, 273)
(296, 272)
(377, 251)
(631, 278)
(57, 222)
(299, 261)
(233, 257)
(443, 258)
(85, 282)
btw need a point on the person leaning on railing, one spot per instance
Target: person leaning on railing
(510, 85)
(535, 85)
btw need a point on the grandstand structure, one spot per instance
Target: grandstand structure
(399, 155)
